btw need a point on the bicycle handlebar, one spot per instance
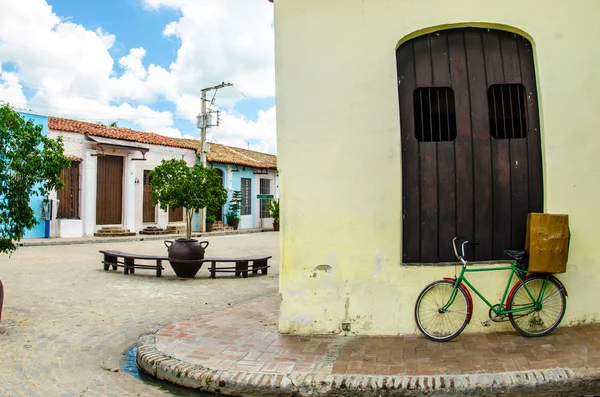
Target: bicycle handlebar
(465, 242)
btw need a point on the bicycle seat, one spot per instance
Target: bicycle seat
(515, 254)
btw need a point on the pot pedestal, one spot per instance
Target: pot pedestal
(185, 256)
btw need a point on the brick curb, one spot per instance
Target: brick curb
(557, 381)
(139, 237)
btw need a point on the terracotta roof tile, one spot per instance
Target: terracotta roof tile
(82, 127)
(229, 155)
(73, 158)
(218, 153)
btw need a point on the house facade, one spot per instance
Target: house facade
(253, 174)
(108, 182)
(446, 119)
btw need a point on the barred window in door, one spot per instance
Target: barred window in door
(246, 196)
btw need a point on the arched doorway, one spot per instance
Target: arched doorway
(470, 136)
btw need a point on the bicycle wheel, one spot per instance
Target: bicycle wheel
(437, 324)
(540, 321)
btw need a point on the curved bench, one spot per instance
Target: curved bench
(129, 264)
(111, 258)
(259, 262)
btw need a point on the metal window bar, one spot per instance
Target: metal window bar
(521, 116)
(507, 111)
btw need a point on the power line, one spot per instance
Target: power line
(248, 98)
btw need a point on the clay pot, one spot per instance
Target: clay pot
(276, 226)
(185, 256)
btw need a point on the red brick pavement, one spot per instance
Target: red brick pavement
(245, 339)
(576, 347)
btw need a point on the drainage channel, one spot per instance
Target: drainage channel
(129, 365)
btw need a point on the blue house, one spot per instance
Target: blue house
(252, 173)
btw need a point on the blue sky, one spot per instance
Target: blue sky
(143, 63)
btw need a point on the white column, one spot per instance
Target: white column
(129, 181)
(89, 209)
(229, 178)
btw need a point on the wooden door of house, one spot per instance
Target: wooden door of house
(148, 210)
(176, 214)
(109, 193)
(471, 151)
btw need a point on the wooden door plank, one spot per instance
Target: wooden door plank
(519, 170)
(428, 178)
(410, 156)
(445, 154)
(463, 149)
(482, 186)
(500, 153)
(534, 146)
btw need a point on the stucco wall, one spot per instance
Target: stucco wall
(337, 101)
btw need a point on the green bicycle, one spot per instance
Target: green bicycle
(534, 306)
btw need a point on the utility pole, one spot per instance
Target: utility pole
(203, 149)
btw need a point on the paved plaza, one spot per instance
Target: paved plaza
(67, 324)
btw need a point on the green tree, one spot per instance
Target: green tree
(175, 185)
(30, 165)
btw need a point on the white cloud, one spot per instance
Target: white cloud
(10, 89)
(72, 74)
(259, 134)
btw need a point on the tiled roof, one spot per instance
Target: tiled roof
(232, 155)
(218, 153)
(125, 134)
(73, 158)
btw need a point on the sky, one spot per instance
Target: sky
(143, 64)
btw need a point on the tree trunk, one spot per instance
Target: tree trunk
(188, 223)
(1, 298)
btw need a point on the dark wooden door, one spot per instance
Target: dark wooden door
(471, 152)
(148, 210)
(176, 215)
(68, 196)
(109, 193)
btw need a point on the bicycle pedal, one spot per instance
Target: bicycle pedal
(485, 323)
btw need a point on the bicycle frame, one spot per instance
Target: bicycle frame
(498, 309)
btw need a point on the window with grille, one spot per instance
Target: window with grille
(506, 107)
(265, 188)
(246, 196)
(68, 206)
(434, 112)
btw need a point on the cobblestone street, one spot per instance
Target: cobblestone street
(66, 323)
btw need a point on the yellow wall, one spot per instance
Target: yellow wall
(339, 153)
